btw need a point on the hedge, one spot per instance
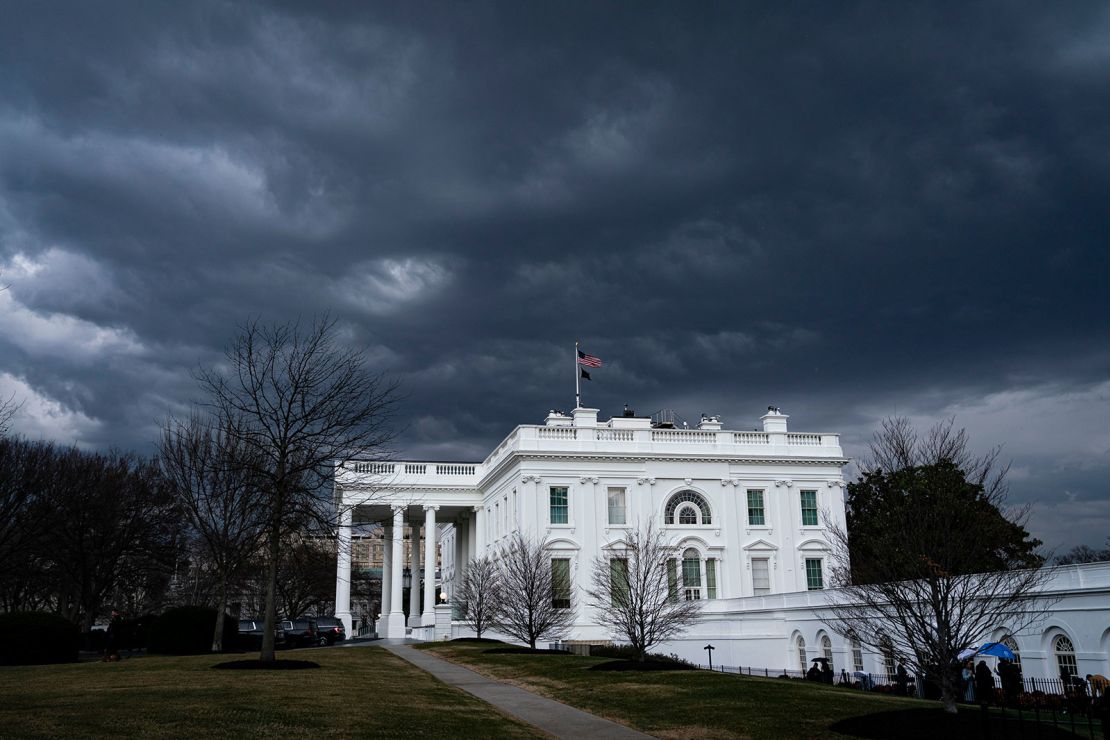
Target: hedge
(34, 638)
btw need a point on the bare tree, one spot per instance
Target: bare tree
(8, 409)
(632, 593)
(935, 564)
(538, 600)
(481, 594)
(299, 402)
(215, 483)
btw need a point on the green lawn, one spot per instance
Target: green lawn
(362, 691)
(700, 704)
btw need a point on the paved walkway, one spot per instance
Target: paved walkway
(550, 716)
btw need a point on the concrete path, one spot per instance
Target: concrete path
(548, 715)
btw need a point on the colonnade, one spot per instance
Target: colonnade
(392, 622)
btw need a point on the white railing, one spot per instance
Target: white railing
(686, 436)
(416, 468)
(751, 438)
(556, 433)
(813, 440)
(376, 468)
(450, 469)
(615, 435)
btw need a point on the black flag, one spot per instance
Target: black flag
(585, 375)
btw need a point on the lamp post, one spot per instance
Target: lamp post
(709, 649)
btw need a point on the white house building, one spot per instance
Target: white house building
(746, 510)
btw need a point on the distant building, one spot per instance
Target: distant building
(746, 510)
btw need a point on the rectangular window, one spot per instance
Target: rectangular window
(809, 508)
(618, 581)
(616, 506)
(857, 656)
(761, 576)
(560, 505)
(814, 578)
(672, 580)
(755, 509)
(560, 583)
(711, 578)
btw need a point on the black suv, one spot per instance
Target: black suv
(329, 630)
(251, 631)
(299, 632)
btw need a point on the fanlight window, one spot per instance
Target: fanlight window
(1011, 643)
(688, 507)
(1065, 656)
(826, 649)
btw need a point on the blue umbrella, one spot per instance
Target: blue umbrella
(993, 649)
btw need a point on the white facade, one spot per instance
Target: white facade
(745, 509)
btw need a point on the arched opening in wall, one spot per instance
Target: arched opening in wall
(826, 649)
(1064, 651)
(1010, 642)
(687, 508)
(857, 656)
(887, 650)
(801, 646)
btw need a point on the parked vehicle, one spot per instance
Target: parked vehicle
(251, 631)
(329, 630)
(300, 632)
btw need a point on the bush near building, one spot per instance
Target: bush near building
(34, 638)
(187, 630)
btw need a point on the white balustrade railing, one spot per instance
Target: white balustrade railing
(556, 433)
(751, 438)
(813, 440)
(688, 436)
(615, 435)
(416, 468)
(375, 468)
(451, 469)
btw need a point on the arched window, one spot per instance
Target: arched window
(857, 656)
(687, 507)
(1065, 656)
(826, 649)
(888, 656)
(801, 645)
(1011, 643)
(691, 574)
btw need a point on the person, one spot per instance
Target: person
(1099, 684)
(902, 679)
(827, 673)
(1009, 675)
(968, 676)
(984, 683)
(814, 673)
(111, 638)
(844, 680)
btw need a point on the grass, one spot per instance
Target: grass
(363, 691)
(700, 704)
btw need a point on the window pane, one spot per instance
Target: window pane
(560, 583)
(761, 576)
(809, 508)
(755, 509)
(857, 656)
(672, 579)
(814, 579)
(687, 515)
(616, 506)
(618, 579)
(691, 571)
(711, 578)
(560, 509)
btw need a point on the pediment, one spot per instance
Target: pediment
(761, 544)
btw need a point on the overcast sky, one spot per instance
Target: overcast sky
(848, 212)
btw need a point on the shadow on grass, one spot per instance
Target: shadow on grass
(638, 665)
(269, 665)
(911, 724)
(524, 651)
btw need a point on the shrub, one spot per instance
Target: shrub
(33, 638)
(627, 653)
(187, 630)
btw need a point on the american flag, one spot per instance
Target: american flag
(588, 360)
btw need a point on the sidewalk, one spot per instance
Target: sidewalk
(548, 715)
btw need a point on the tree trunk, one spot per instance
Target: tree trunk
(218, 635)
(948, 692)
(267, 655)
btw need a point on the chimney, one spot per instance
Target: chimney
(774, 420)
(710, 423)
(585, 417)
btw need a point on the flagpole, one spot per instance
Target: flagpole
(577, 382)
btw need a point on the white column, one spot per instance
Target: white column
(472, 533)
(428, 618)
(387, 590)
(396, 611)
(461, 554)
(343, 568)
(480, 532)
(414, 571)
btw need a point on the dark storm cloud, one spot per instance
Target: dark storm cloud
(846, 211)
